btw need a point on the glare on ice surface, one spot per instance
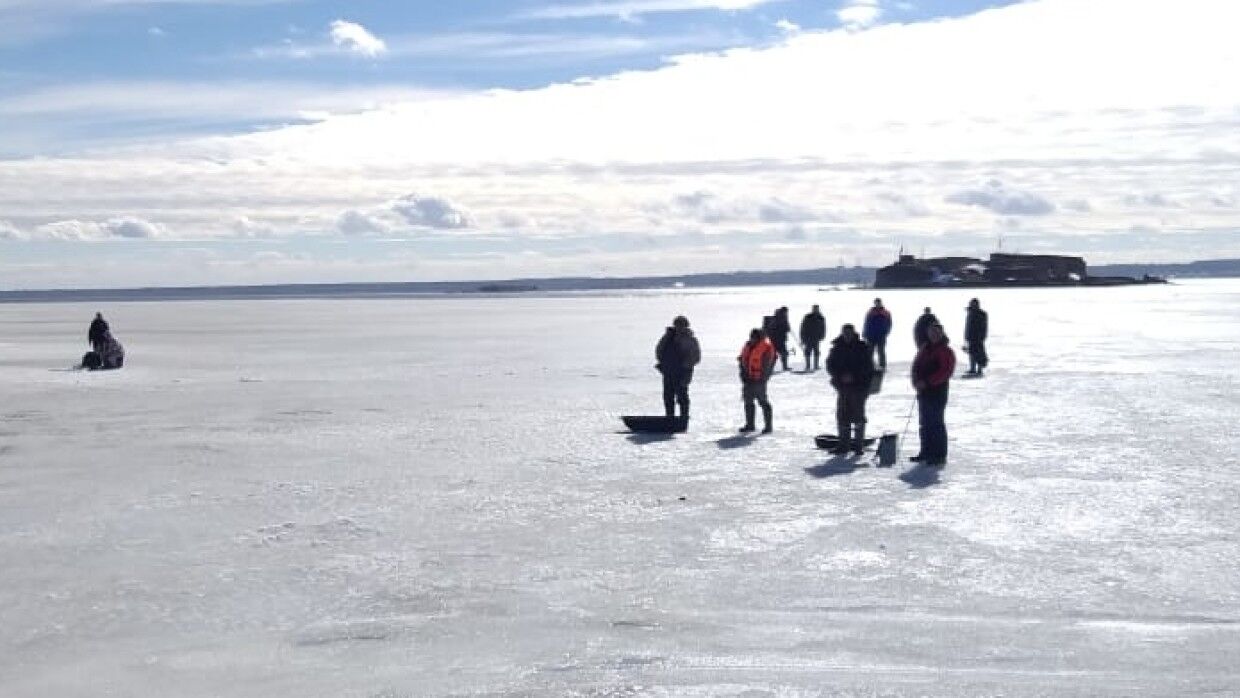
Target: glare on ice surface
(430, 496)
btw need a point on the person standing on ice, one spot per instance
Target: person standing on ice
(877, 327)
(778, 334)
(677, 353)
(850, 363)
(98, 333)
(922, 326)
(976, 325)
(932, 371)
(813, 331)
(757, 363)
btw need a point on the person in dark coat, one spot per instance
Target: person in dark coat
(932, 372)
(976, 326)
(877, 327)
(778, 332)
(813, 331)
(97, 333)
(677, 353)
(921, 327)
(850, 363)
(757, 363)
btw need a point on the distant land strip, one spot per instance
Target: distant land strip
(860, 276)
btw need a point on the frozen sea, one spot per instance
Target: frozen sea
(433, 496)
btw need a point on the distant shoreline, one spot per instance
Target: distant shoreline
(855, 276)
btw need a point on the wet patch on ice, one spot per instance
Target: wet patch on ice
(370, 629)
(341, 528)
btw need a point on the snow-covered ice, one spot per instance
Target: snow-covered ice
(430, 496)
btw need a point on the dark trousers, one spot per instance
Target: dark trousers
(850, 410)
(676, 391)
(931, 409)
(880, 348)
(756, 392)
(781, 348)
(811, 350)
(977, 356)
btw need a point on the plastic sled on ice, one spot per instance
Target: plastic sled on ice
(651, 424)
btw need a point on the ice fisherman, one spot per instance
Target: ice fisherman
(109, 354)
(757, 363)
(97, 333)
(976, 325)
(875, 330)
(850, 363)
(932, 372)
(677, 353)
(921, 327)
(813, 331)
(776, 327)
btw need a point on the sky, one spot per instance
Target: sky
(210, 142)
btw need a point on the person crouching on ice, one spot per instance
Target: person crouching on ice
(932, 371)
(850, 363)
(757, 363)
(677, 353)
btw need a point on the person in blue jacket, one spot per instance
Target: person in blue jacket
(877, 327)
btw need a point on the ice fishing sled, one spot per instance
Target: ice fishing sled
(830, 441)
(653, 424)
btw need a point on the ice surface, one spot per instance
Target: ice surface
(430, 497)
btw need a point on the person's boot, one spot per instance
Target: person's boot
(841, 447)
(767, 412)
(749, 414)
(858, 444)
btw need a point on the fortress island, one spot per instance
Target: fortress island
(1000, 270)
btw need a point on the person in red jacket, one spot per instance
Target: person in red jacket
(757, 363)
(932, 371)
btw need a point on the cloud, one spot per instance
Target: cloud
(1078, 205)
(246, 227)
(112, 228)
(432, 212)
(779, 211)
(355, 38)
(629, 10)
(1150, 200)
(8, 231)
(997, 197)
(355, 222)
(859, 14)
(902, 205)
(787, 27)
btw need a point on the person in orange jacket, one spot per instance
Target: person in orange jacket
(757, 363)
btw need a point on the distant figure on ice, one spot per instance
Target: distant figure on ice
(757, 363)
(850, 363)
(932, 371)
(98, 331)
(877, 327)
(677, 353)
(109, 355)
(922, 326)
(813, 331)
(976, 325)
(777, 328)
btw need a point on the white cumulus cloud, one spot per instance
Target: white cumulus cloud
(355, 38)
(859, 14)
(998, 197)
(121, 227)
(432, 212)
(8, 231)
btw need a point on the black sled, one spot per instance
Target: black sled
(651, 424)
